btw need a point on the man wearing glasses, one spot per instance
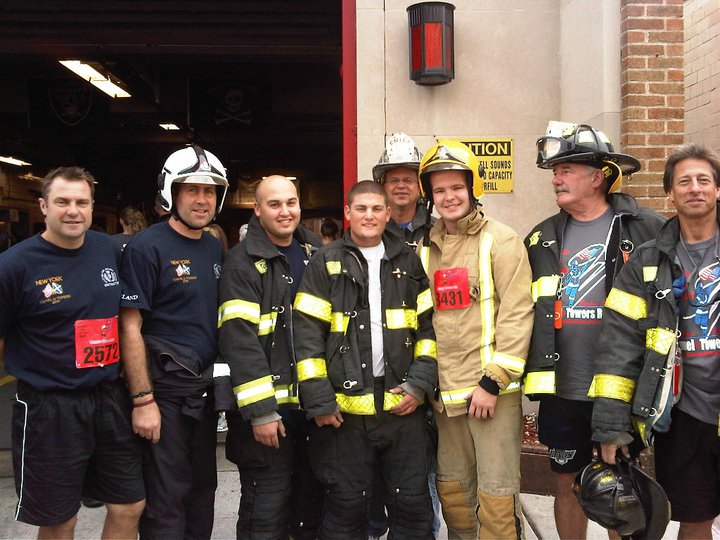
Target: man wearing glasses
(397, 171)
(659, 341)
(575, 256)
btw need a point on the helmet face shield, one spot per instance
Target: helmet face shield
(549, 147)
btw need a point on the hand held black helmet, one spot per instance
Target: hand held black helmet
(623, 498)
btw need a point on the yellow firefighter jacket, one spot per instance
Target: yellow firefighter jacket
(490, 337)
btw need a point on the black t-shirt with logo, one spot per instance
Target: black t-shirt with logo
(174, 280)
(48, 295)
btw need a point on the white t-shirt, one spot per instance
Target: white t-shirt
(373, 256)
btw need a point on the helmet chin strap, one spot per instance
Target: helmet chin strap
(181, 220)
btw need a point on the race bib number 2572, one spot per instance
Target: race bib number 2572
(96, 343)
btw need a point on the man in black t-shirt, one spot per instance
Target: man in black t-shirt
(72, 433)
(267, 437)
(170, 274)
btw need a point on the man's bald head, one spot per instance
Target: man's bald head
(272, 183)
(277, 207)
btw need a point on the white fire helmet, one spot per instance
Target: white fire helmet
(192, 165)
(400, 151)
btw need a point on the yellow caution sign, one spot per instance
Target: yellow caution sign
(496, 156)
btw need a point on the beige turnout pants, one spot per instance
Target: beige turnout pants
(478, 472)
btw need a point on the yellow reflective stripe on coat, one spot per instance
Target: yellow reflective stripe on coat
(267, 323)
(649, 273)
(333, 267)
(540, 382)
(424, 301)
(509, 362)
(659, 339)
(626, 304)
(239, 309)
(284, 394)
(364, 404)
(545, 286)
(426, 347)
(313, 306)
(396, 319)
(453, 397)
(254, 391)
(424, 255)
(311, 368)
(339, 322)
(391, 400)
(487, 297)
(612, 386)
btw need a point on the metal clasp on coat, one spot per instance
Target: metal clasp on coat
(289, 279)
(279, 309)
(347, 385)
(548, 243)
(343, 349)
(661, 294)
(626, 246)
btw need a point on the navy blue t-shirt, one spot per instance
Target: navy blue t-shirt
(297, 259)
(174, 280)
(44, 291)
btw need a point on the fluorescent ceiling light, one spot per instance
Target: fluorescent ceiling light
(13, 161)
(94, 77)
(169, 127)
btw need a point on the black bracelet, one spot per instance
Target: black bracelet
(141, 394)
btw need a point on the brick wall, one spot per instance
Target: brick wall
(652, 109)
(702, 72)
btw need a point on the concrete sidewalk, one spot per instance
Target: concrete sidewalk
(537, 510)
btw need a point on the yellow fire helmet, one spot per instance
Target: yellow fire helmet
(448, 155)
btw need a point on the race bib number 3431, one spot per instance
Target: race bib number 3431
(452, 288)
(96, 343)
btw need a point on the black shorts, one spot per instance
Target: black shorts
(68, 443)
(686, 465)
(565, 427)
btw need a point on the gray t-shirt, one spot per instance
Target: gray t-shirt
(700, 330)
(582, 265)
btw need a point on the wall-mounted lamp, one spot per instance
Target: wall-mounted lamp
(96, 75)
(432, 58)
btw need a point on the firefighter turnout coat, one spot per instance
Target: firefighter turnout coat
(255, 320)
(332, 328)
(638, 333)
(418, 226)
(631, 226)
(490, 337)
